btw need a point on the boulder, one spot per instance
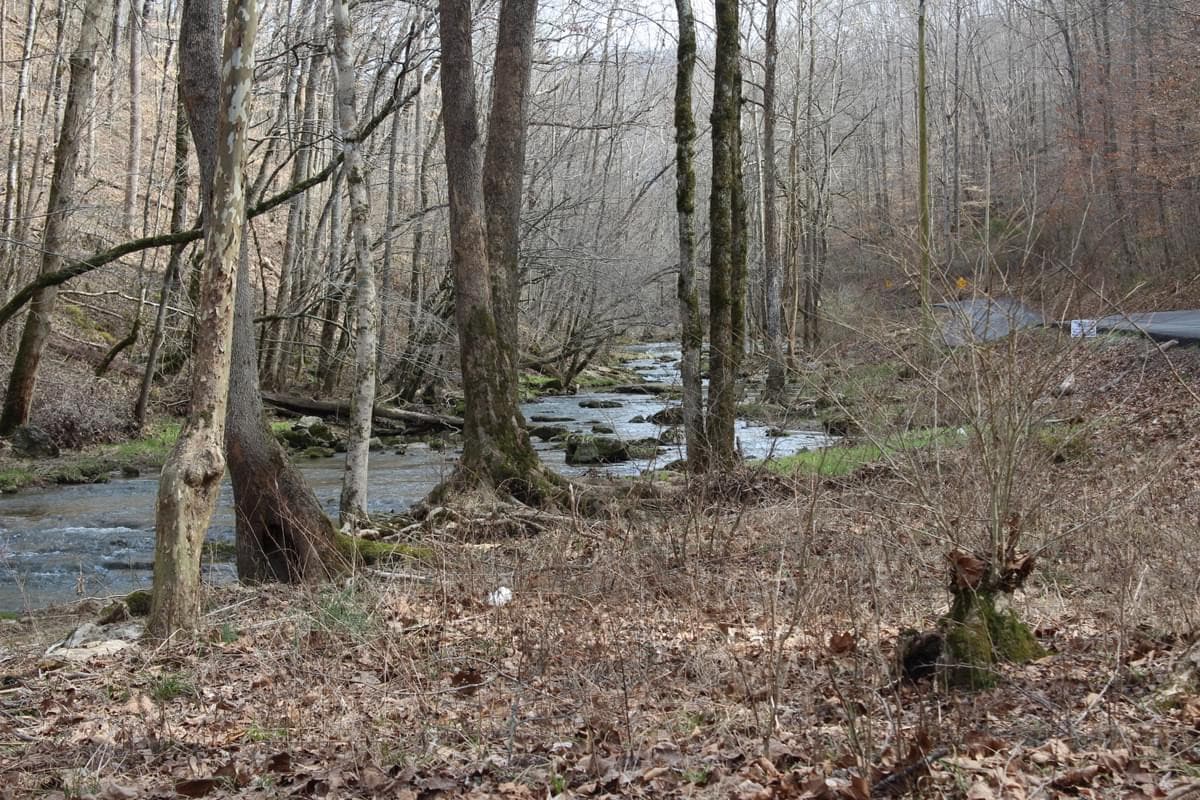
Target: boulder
(638, 420)
(31, 441)
(583, 450)
(548, 418)
(318, 452)
(671, 436)
(547, 432)
(600, 404)
(672, 415)
(605, 429)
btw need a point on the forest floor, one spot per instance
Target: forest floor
(726, 638)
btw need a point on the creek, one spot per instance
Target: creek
(60, 543)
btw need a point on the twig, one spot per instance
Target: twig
(903, 774)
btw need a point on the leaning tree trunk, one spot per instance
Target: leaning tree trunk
(497, 452)
(690, 318)
(366, 304)
(19, 399)
(725, 248)
(282, 532)
(191, 477)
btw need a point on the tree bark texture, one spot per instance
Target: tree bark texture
(723, 210)
(771, 258)
(19, 399)
(690, 317)
(497, 452)
(353, 507)
(504, 169)
(191, 476)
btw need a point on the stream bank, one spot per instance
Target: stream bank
(60, 543)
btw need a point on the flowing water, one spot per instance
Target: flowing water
(61, 543)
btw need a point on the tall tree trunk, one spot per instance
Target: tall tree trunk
(690, 318)
(923, 220)
(191, 477)
(170, 281)
(497, 452)
(724, 204)
(19, 399)
(9, 256)
(771, 268)
(366, 304)
(504, 169)
(133, 166)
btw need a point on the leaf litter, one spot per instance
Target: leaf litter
(743, 651)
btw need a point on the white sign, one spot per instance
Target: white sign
(1083, 328)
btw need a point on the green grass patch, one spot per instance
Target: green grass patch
(15, 478)
(844, 459)
(151, 447)
(1065, 443)
(169, 686)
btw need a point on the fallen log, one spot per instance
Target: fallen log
(330, 408)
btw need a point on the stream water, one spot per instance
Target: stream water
(61, 543)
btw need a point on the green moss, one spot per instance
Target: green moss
(366, 551)
(10, 615)
(138, 602)
(979, 636)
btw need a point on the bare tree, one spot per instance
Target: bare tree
(366, 304)
(19, 399)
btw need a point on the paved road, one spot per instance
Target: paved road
(983, 319)
(1159, 325)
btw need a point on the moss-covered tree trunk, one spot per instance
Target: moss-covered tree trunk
(725, 206)
(982, 629)
(497, 452)
(690, 318)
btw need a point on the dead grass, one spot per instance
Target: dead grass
(737, 642)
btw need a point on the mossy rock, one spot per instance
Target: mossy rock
(138, 603)
(318, 452)
(979, 636)
(600, 404)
